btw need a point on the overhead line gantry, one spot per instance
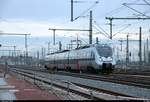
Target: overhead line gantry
(26, 45)
(65, 30)
(140, 32)
(121, 18)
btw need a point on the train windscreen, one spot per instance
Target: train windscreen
(104, 51)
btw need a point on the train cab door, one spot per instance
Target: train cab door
(66, 61)
(55, 63)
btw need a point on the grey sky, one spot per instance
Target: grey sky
(36, 16)
(57, 12)
(49, 9)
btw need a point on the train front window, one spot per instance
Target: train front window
(104, 51)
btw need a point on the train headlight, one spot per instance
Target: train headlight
(104, 59)
(110, 58)
(100, 59)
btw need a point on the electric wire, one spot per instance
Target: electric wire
(101, 32)
(100, 28)
(146, 2)
(91, 7)
(115, 11)
(135, 10)
(122, 29)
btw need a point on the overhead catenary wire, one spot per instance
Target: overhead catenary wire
(122, 29)
(119, 9)
(125, 4)
(101, 32)
(147, 11)
(137, 4)
(100, 27)
(115, 11)
(146, 2)
(84, 1)
(91, 7)
(81, 39)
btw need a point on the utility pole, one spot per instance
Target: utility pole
(71, 45)
(71, 10)
(24, 54)
(147, 49)
(140, 46)
(54, 36)
(60, 46)
(133, 57)
(37, 58)
(77, 41)
(115, 18)
(144, 53)
(118, 53)
(48, 47)
(121, 45)
(127, 50)
(110, 28)
(90, 28)
(42, 52)
(14, 51)
(9, 53)
(110, 19)
(97, 40)
(15, 54)
(26, 46)
(121, 58)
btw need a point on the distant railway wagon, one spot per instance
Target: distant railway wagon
(95, 57)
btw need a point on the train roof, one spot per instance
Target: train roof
(59, 52)
(81, 47)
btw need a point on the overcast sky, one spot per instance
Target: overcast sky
(37, 16)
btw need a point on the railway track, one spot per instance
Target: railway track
(91, 93)
(127, 79)
(133, 70)
(134, 80)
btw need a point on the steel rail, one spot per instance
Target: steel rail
(80, 93)
(87, 95)
(114, 78)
